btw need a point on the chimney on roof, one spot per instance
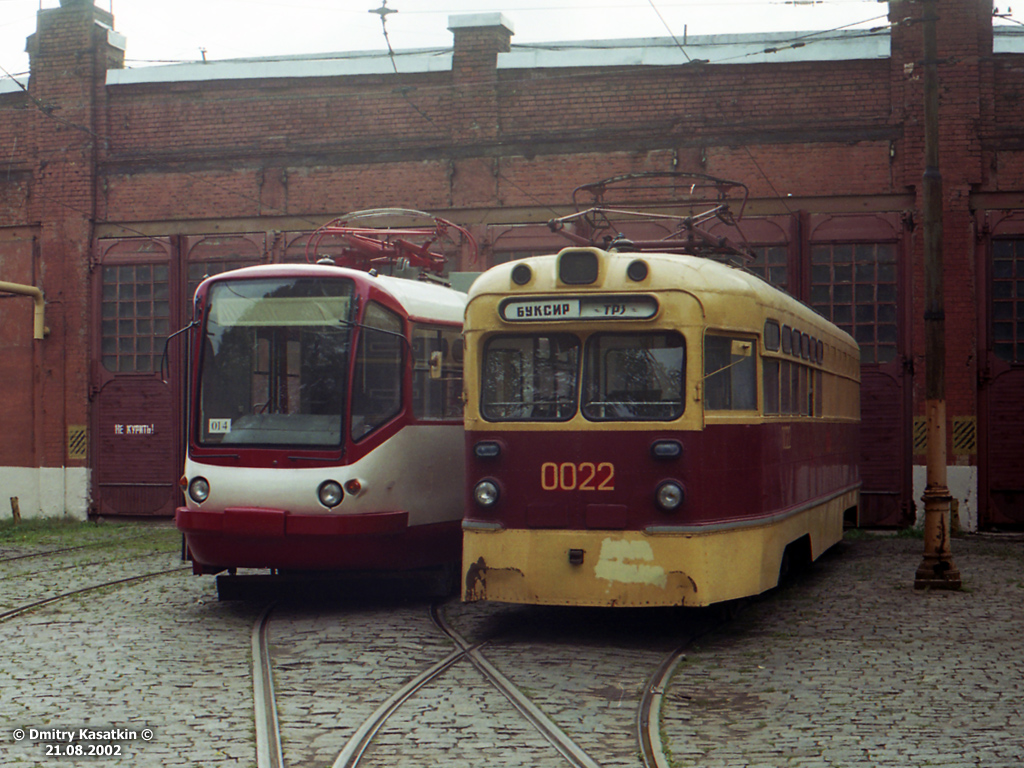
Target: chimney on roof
(478, 39)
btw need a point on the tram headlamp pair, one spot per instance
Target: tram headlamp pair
(330, 493)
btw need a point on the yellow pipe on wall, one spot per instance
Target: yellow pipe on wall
(39, 329)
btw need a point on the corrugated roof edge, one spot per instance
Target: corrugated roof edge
(12, 85)
(319, 65)
(733, 49)
(759, 48)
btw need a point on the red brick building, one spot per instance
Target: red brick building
(120, 189)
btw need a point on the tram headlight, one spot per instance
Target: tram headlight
(199, 489)
(330, 493)
(486, 493)
(669, 495)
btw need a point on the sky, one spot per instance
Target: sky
(165, 31)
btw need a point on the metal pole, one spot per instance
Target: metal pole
(936, 570)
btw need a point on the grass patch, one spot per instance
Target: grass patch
(62, 532)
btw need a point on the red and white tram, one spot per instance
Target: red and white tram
(325, 422)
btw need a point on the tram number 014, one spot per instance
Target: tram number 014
(585, 476)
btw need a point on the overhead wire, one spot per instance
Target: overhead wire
(383, 12)
(746, 147)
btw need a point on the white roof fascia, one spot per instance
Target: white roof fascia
(1008, 39)
(13, 84)
(712, 49)
(323, 65)
(116, 40)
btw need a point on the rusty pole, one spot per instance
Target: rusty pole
(936, 570)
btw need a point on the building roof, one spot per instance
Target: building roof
(712, 49)
(760, 48)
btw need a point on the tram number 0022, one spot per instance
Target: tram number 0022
(585, 476)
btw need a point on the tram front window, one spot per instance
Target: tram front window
(626, 377)
(530, 378)
(634, 377)
(274, 362)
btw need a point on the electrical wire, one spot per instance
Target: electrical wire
(673, 34)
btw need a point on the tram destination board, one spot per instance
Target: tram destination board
(579, 308)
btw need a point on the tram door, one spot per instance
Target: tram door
(142, 294)
(1001, 475)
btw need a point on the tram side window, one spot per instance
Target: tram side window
(530, 377)
(791, 389)
(634, 377)
(770, 378)
(730, 374)
(436, 373)
(377, 384)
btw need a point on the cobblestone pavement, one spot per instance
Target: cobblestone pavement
(335, 665)
(585, 668)
(851, 666)
(846, 666)
(161, 655)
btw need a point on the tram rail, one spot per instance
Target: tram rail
(269, 753)
(22, 609)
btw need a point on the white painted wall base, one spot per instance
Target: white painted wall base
(45, 491)
(963, 487)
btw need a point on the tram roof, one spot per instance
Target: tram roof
(420, 300)
(425, 300)
(718, 286)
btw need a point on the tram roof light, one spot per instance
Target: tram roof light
(578, 266)
(521, 274)
(637, 270)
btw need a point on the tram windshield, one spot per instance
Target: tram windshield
(274, 364)
(625, 377)
(634, 377)
(530, 377)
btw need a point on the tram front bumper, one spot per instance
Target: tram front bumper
(584, 568)
(267, 538)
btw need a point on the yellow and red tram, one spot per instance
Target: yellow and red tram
(649, 429)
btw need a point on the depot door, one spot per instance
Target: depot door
(1001, 386)
(143, 291)
(850, 269)
(136, 439)
(856, 280)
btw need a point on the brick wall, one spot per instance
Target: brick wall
(476, 143)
